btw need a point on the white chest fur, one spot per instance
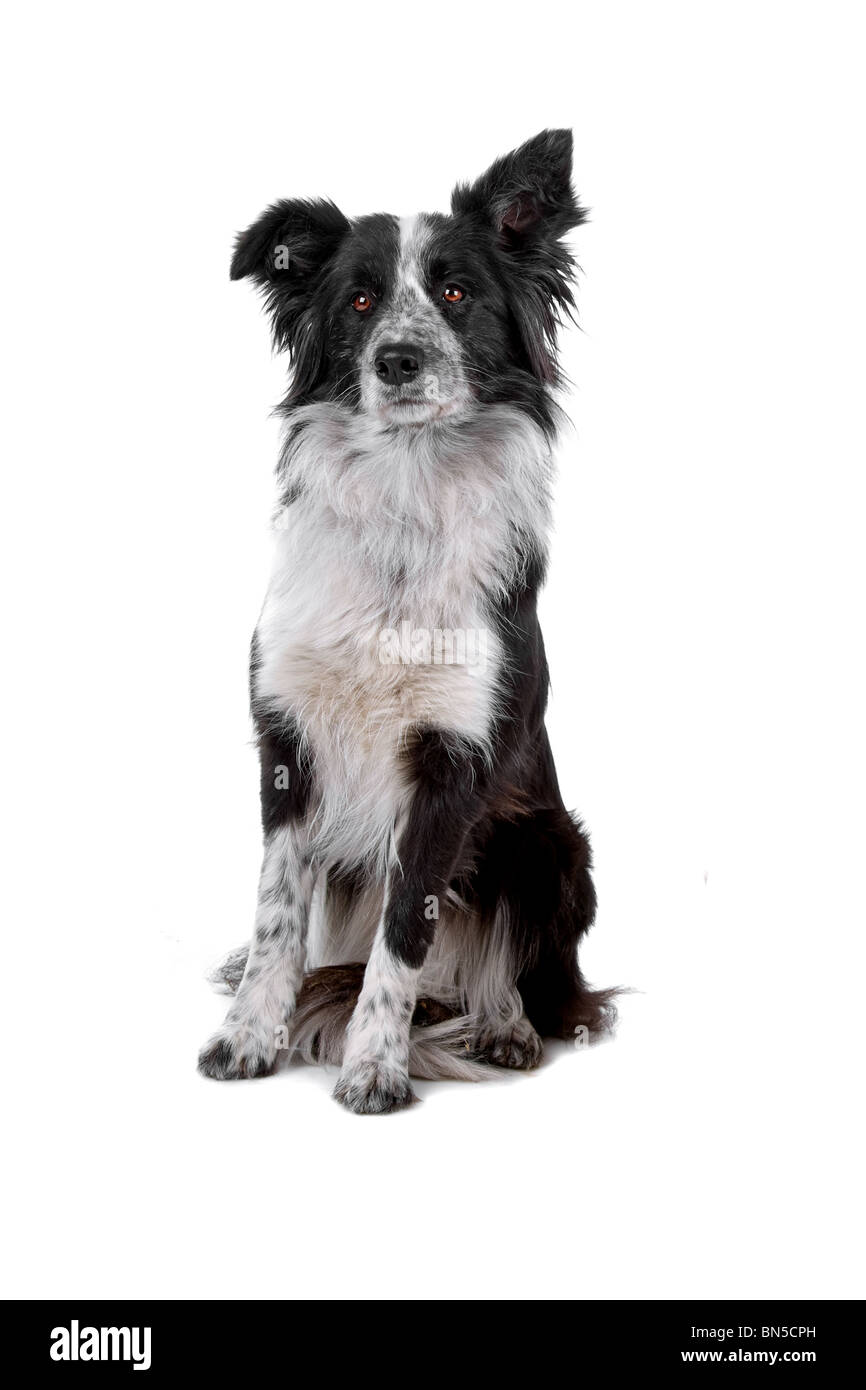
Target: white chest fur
(392, 533)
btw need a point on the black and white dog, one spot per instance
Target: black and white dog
(423, 890)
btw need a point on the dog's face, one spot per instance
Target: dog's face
(422, 319)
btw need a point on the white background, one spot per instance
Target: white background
(703, 618)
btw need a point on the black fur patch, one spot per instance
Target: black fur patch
(447, 778)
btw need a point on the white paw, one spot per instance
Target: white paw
(239, 1051)
(370, 1088)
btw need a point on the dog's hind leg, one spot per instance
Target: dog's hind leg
(536, 884)
(475, 965)
(504, 1034)
(509, 1040)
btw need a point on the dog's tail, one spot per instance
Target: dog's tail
(440, 1042)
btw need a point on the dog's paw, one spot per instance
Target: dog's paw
(368, 1088)
(238, 1052)
(517, 1045)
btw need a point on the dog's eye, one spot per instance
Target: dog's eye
(362, 303)
(452, 294)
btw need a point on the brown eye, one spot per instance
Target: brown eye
(362, 302)
(452, 294)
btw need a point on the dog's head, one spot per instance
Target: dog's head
(422, 319)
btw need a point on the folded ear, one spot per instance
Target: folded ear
(527, 200)
(283, 252)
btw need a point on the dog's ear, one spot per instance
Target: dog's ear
(284, 253)
(526, 198)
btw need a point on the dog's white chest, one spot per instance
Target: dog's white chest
(359, 657)
(377, 619)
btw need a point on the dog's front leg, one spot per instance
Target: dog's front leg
(256, 1025)
(374, 1078)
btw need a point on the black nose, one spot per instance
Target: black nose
(398, 362)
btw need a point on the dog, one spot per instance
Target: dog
(423, 890)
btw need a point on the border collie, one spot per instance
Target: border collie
(423, 889)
